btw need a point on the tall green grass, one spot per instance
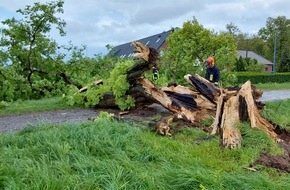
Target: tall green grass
(106, 154)
(278, 112)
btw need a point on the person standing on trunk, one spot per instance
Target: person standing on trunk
(212, 71)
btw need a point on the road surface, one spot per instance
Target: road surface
(274, 95)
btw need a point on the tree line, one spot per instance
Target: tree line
(273, 38)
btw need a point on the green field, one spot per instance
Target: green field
(273, 86)
(29, 106)
(105, 154)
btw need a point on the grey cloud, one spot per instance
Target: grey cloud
(100, 22)
(165, 11)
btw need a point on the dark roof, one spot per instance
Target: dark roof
(126, 50)
(253, 55)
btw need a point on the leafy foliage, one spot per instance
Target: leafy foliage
(30, 59)
(262, 77)
(284, 65)
(32, 65)
(116, 82)
(193, 42)
(276, 34)
(249, 65)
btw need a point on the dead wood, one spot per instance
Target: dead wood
(69, 80)
(96, 83)
(204, 100)
(162, 126)
(141, 51)
(231, 136)
(256, 120)
(187, 104)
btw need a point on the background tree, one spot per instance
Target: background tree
(276, 28)
(284, 64)
(233, 30)
(193, 42)
(240, 65)
(33, 65)
(30, 51)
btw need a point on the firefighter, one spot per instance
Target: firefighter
(155, 73)
(212, 71)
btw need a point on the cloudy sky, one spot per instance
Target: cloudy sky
(96, 23)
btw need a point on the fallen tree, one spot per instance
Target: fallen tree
(229, 106)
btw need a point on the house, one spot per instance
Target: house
(260, 59)
(157, 41)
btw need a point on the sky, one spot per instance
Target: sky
(97, 23)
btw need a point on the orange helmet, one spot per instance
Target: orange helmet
(210, 61)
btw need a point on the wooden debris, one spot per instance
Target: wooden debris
(257, 121)
(141, 51)
(229, 106)
(123, 113)
(96, 83)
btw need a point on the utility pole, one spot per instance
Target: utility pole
(274, 57)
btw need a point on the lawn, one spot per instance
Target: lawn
(106, 154)
(274, 86)
(29, 106)
(109, 154)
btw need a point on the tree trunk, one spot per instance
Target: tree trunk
(228, 106)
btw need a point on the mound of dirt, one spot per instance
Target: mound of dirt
(282, 163)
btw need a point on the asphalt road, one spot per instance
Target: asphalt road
(274, 95)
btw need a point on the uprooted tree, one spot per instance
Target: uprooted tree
(229, 106)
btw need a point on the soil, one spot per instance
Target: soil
(13, 123)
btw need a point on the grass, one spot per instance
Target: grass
(29, 106)
(273, 86)
(106, 154)
(278, 112)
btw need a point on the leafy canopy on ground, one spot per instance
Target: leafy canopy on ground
(116, 82)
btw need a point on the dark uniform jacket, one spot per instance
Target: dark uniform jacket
(212, 74)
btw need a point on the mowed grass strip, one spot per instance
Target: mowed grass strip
(30, 106)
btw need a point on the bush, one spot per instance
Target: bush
(257, 78)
